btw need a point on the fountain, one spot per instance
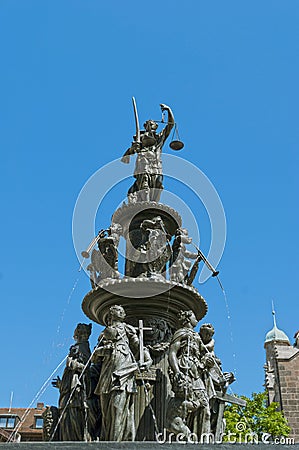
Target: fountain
(151, 374)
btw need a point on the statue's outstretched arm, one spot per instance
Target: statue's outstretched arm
(126, 156)
(170, 120)
(131, 151)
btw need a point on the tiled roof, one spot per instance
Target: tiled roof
(27, 416)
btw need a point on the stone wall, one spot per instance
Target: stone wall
(282, 381)
(289, 391)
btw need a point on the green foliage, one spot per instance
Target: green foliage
(257, 417)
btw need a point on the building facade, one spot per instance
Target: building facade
(282, 375)
(21, 424)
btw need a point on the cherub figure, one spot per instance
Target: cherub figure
(180, 263)
(104, 262)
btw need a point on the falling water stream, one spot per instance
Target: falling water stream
(68, 301)
(59, 326)
(230, 328)
(47, 382)
(36, 397)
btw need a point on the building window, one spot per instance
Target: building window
(11, 422)
(7, 422)
(2, 422)
(39, 422)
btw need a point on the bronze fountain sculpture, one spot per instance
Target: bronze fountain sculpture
(150, 372)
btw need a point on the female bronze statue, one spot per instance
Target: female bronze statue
(118, 349)
(74, 388)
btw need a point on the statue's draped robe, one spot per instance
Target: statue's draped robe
(74, 390)
(197, 388)
(117, 386)
(148, 167)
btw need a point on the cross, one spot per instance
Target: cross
(225, 398)
(141, 329)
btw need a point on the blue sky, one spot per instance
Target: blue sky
(230, 72)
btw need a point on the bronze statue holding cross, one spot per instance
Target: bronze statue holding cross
(121, 353)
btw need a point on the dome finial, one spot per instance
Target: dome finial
(275, 334)
(274, 314)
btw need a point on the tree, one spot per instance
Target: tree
(256, 417)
